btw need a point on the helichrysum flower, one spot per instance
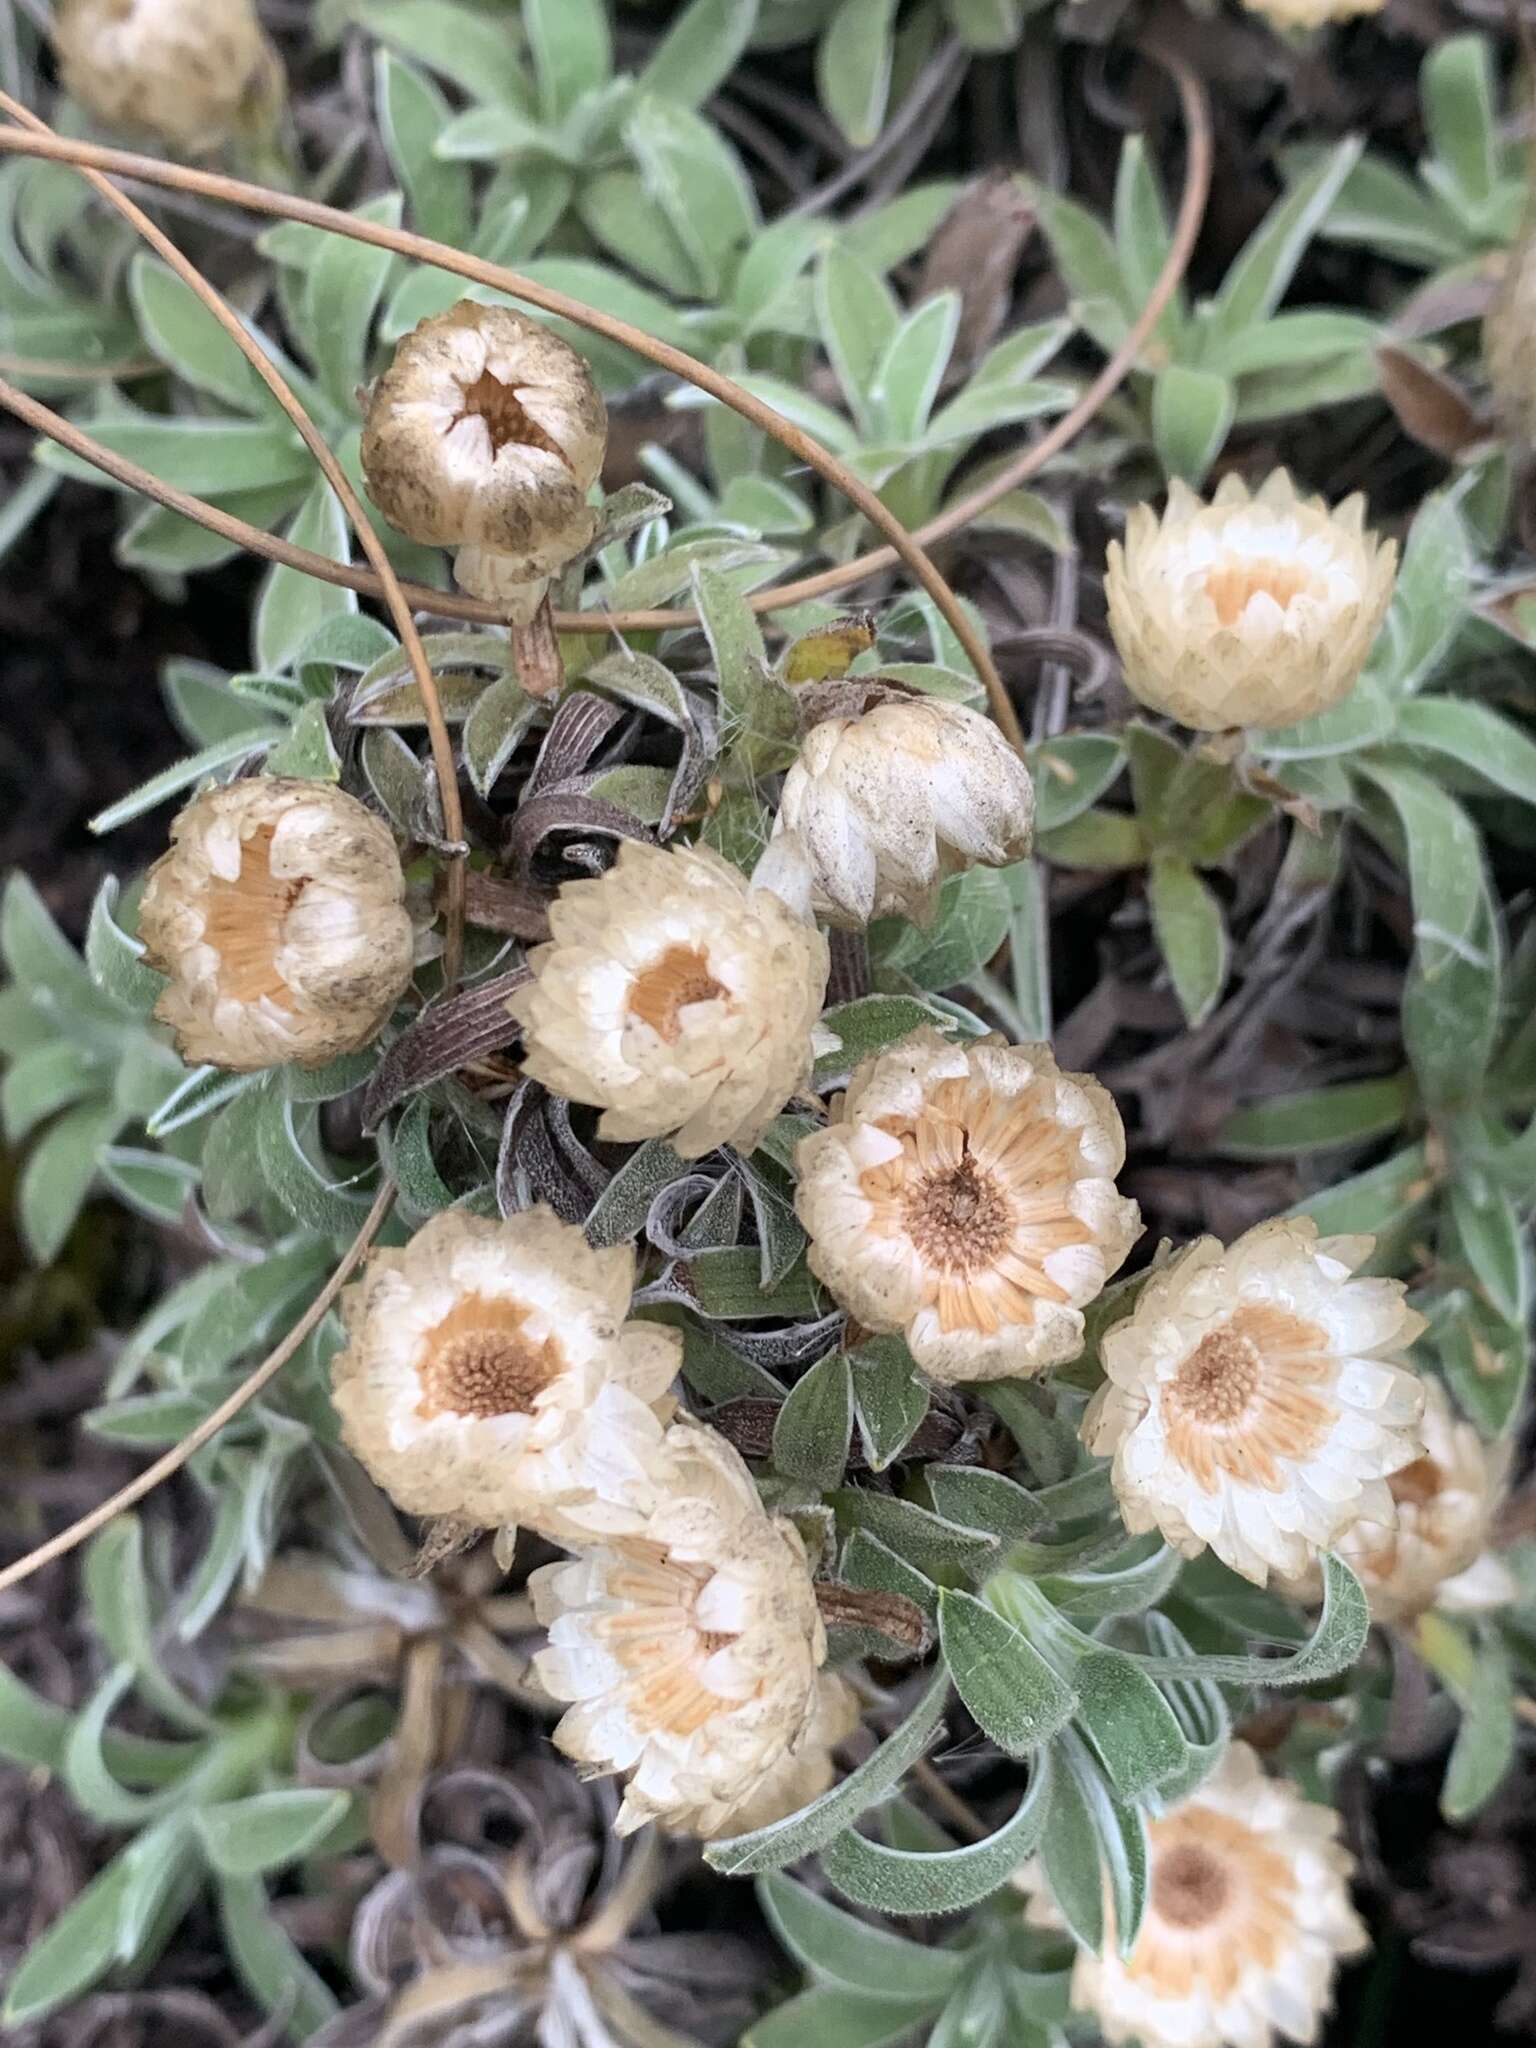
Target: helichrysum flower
(485, 434)
(692, 1652)
(489, 1374)
(965, 1196)
(1255, 1399)
(192, 73)
(882, 807)
(279, 915)
(806, 1771)
(1255, 610)
(674, 997)
(1435, 1553)
(1248, 1916)
(1306, 14)
(1509, 335)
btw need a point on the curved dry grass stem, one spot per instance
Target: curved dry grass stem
(94, 158)
(172, 1460)
(389, 583)
(1027, 464)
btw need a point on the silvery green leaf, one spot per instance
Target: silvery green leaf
(838, 2019)
(292, 605)
(988, 1501)
(926, 1541)
(1456, 86)
(1429, 601)
(210, 458)
(411, 114)
(79, 1947)
(58, 1174)
(1191, 935)
(618, 211)
(889, 234)
(1492, 1239)
(1143, 236)
(890, 1400)
(974, 913)
(1261, 274)
(1192, 414)
(1318, 1119)
(155, 1184)
(44, 1080)
(699, 50)
(811, 1431)
(246, 1837)
(1336, 1641)
(1486, 1360)
(691, 172)
(1013, 1693)
(1129, 1723)
(838, 1949)
(986, 24)
(898, 1880)
(189, 340)
(911, 367)
(496, 725)
(853, 67)
(859, 319)
(462, 43)
(786, 1841)
(268, 1962)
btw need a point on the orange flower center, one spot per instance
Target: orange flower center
(1222, 1902)
(958, 1218)
(679, 978)
(1230, 587)
(506, 418)
(480, 1362)
(1189, 1886)
(243, 922)
(654, 1634)
(1248, 1396)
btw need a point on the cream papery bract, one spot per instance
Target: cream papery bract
(192, 73)
(1311, 14)
(692, 1653)
(1248, 1916)
(965, 1196)
(278, 915)
(884, 806)
(676, 998)
(1256, 1400)
(1255, 610)
(489, 1374)
(1435, 1552)
(485, 434)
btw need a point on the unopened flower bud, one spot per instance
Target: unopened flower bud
(883, 806)
(1509, 336)
(1256, 610)
(279, 916)
(485, 434)
(192, 73)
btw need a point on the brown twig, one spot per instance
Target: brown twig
(97, 159)
(389, 583)
(177, 1456)
(451, 604)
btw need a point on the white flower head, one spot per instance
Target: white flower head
(1435, 1552)
(1255, 610)
(1255, 1398)
(485, 434)
(190, 72)
(1311, 14)
(807, 1770)
(489, 1374)
(965, 1196)
(884, 806)
(692, 1652)
(1248, 1916)
(279, 915)
(675, 998)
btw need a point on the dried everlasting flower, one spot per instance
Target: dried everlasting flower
(1306, 14)
(675, 998)
(485, 434)
(1509, 336)
(880, 808)
(1248, 1915)
(489, 1374)
(692, 1652)
(279, 915)
(1254, 610)
(965, 1195)
(1256, 1401)
(806, 1771)
(192, 73)
(1435, 1553)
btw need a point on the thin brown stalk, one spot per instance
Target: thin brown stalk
(389, 583)
(172, 1460)
(452, 604)
(97, 159)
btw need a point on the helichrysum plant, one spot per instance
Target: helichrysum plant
(753, 1420)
